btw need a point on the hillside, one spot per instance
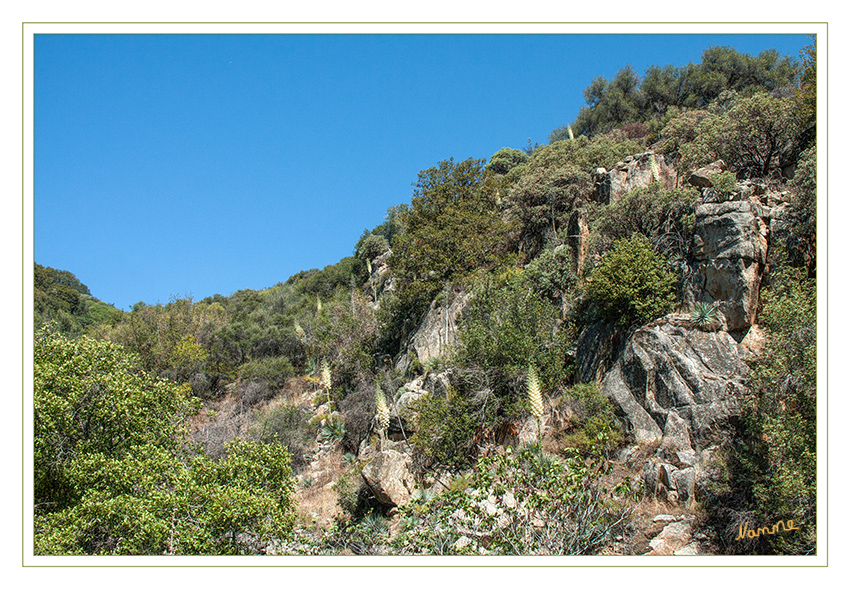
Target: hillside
(604, 344)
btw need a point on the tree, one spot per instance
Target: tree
(451, 228)
(113, 473)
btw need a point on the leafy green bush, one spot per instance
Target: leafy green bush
(113, 473)
(632, 283)
(446, 428)
(517, 503)
(273, 371)
(770, 469)
(509, 324)
(91, 398)
(664, 217)
(147, 502)
(724, 182)
(504, 160)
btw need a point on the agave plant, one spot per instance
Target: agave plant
(703, 314)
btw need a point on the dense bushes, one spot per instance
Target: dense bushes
(628, 99)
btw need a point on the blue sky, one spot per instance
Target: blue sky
(174, 165)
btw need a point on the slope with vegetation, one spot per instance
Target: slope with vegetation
(288, 375)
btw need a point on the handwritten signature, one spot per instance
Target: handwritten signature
(744, 532)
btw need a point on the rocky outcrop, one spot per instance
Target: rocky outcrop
(436, 334)
(675, 383)
(633, 172)
(730, 251)
(389, 476)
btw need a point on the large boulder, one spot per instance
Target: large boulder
(676, 384)
(730, 252)
(390, 478)
(436, 334)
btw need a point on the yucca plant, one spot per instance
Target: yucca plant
(535, 401)
(326, 379)
(653, 164)
(333, 430)
(703, 315)
(382, 415)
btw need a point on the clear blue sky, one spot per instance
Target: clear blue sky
(201, 164)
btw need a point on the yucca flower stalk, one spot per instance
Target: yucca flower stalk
(653, 164)
(326, 379)
(382, 415)
(570, 131)
(535, 401)
(299, 331)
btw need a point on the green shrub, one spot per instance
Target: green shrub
(593, 426)
(446, 429)
(724, 182)
(509, 324)
(770, 467)
(114, 474)
(285, 425)
(663, 217)
(632, 283)
(273, 371)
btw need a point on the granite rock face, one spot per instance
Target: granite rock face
(730, 252)
(675, 383)
(436, 334)
(635, 171)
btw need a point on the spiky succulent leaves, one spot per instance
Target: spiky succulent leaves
(382, 411)
(535, 398)
(703, 314)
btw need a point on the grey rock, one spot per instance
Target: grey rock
(701, 178)
(730, 250)
(667, 369)
(635, 172)
(436, 334)
(685, 480)
(389, 476)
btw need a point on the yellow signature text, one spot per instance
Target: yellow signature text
(785, 526)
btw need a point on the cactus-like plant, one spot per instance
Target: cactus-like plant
(703, 314)
(382, 414)
(535, 400)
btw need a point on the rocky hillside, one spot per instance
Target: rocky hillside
(602, 345)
